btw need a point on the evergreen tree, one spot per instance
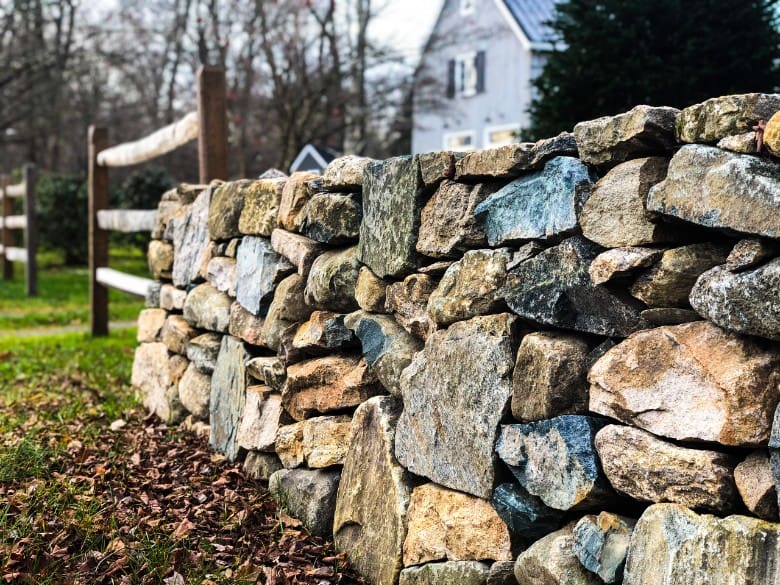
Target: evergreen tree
(614, 54)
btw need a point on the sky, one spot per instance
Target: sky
(407, 23)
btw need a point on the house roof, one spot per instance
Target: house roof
(533, 16)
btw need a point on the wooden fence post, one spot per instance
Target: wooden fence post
(7, 240)
(31, 232)
(212, 119)
(98, 238)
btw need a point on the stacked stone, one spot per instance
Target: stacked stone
(544, 363)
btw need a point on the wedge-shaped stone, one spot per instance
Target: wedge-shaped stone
(203, 351)
(526, 516)
(295, 196)
(191, 239)
(620, 262)
(448, 525)
(221, 274)
(260, 421)
(370, 291)
(289, 445)
(207, 308)
(690, 382)
(156, 376)
(228, 396)
(227, 203)
(639, 132)
(324, 331)
(327, 384)
(258, 270)
(669, 316)
(720, 189)
(455, 392)
(374, 494)
(307, 494)
(332, 279)
(333, 218)
(725, 116)
(552, 561)
(447, 573)
(756, 484)
(345, 173)
(408, 301)
(176, 334)
(671, 545)
(326, 440)
(299, 250)
(751, 252)
(261, 207)
(540, 206)
(648, 469)
(554, 288)
(195, 392)
(601, 544)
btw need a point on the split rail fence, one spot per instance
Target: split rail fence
(9, 253)
(208, 125)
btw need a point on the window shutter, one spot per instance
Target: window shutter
(451, 78)
(480, 63)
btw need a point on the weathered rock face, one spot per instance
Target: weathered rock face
(392, 203)
(333, 219)
(307, 494)
(772, 134)
(246, 326)
(172, 298)
(227, 203)
(556, 460)
(221, 274)
(228, 396)
(156, 376)
(288, 307)
(267, 370)
(435, 167)
(651, 470)
(552, 561)
(345, 173)
(448, 573)
(601, 544)
(741, 143)
(170, 205)
(258, 270)
(323, 331)
(725, 116)
(502, 573)
(554, 288)
(449, 226)
(668, 283)
(176, 334)
(370, 291)
(299, 250)
(408, 301)
(203, 350)
(620, 262)
(327, 384)
(690, 382)
(261, 207)
(207, 308)
(160, 259)
(615, 214)
(195, 391)
(756, 485)
(550, 376)
(746, 302)
(720, 189)
(526, 516)
(669, 316)
(455, 392)
(191, 239)
(326, 440)
(542, 205)
(260, 420)
(295, 195)
(673, 546)
(150, 324)
(370, 517)
(261, 466)
(751, 252)
(332, 279)
(289, 445)
(448, 525)
(639, 132)
(472, 286)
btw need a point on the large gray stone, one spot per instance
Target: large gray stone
(746, 302)
(332, 280)
(556, 460)
(526, 516)
(228, 396)
(392, 203)
(370, 519)
(540, 206)
(455, 392)
(725, 116)
(554, 288)
(308, 495)
(448, 573)
(207, 308)
(333, 219)
(552, 561)
(258, 270)
(720, 189)
(601, 544)
(191, 239)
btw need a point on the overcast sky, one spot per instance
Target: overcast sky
(407, 23)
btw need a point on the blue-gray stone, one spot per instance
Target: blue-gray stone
(228, 395)
(308, 495)
(556, 459)
(601, 544)
(542, 205)
(258, 270)
(526, 516)
(554, 288)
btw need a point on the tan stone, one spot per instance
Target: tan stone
(207, 308)
(326, 440)
(176, 334)
(323, 331)
(295, 195)
(261, 206)
(256, 367)
(150, 323)
(260, 421)
(345, 173)
(723, 116)
(756, 485)
(289, 445)
(246, 326)
(772, 134)
(447, 525)
(750, 252)
(740, 143)
(299, 250)
(370, 291)
(195, 391)
(552, 561)
(408, 301)
(156, 377)
(287, 308)
(620, 262)
(160, 258)
(172, 298)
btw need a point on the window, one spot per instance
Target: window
(501, 135)
(459, 141)
(467, 7)
(466, 74)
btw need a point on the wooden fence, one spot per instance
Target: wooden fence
(208, 124)
(25, 222)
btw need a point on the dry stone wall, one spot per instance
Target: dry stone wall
(545, 363)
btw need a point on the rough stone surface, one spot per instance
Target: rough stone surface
(333, 219)
(615, 215)
(221, 274)
(327, 384)
(191, 239)
(228, 396)
(307, 494)
(448, 224)
(207, 308)
(246, 326)
(332, 280)
(526, 516)
(756, 485)
(448, 525)
(601, 544)
(370, 518)
(669, 316)
(387, 347)
(289, 445)
(227, 203)
(408, 301)
(543, 205)
(169, 207)
(550, 376)
(671, 545)
(258, 270)
(746, 302)
(324, 331)
(260, 420)
(172, 298)
(751, 252)
(502, 573)
(295, 196)
(160, 259)
(455, 392)
(392, 203)
(447, 573)
(195, 391)
(326, 440)
(620, 262)
(370, 291)
(648, 469)
(554, 288)
(669, 282)
(437, 166)
(690, 382)
(345, 173)
(724, 116)
(261, 466)
(472, 286)
(742, 143)
(552, 561)
(720, 189)
(203, 351)
(156, 377)
(299, 250)
(150, 324)
(176, 334)
(261, 207)
(772, 134)
(287, 308)
(556, 460)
